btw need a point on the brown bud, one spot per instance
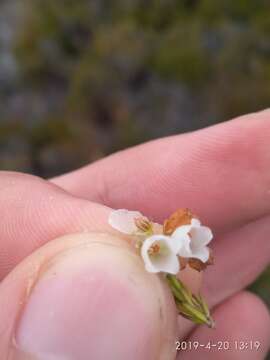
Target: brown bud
(178, 218)
(210, 261)
(198, 265)
(183, 262)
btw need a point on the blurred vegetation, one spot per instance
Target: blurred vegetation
(117, 68)
(113, 70)
(97, 76)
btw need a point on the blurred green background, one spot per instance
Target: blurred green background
(80, 79)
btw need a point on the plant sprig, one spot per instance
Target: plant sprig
(189, 305)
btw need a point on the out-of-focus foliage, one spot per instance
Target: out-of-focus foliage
(261, 287)
(94, 76)
(132, 70)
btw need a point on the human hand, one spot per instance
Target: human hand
(75, 298)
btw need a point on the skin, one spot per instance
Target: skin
(69, 292)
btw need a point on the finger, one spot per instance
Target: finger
(221, 172)
(242, 324)
(81, 222)
(240, 256)
(76, 297)
(33, 211)
(241, 184)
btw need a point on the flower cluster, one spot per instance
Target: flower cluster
(180, 241)
(169, 248)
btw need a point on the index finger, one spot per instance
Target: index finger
(221, 173)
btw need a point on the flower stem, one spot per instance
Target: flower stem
(190, 306)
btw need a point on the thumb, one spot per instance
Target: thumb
(86, 296)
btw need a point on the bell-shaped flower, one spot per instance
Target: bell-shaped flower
(128, 222)
(159, 254)
(195, 239)
(133, 223)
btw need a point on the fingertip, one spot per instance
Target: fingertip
(89, 297)
(249, 306)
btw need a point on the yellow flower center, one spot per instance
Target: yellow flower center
(143, 224)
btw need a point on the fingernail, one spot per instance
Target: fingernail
(91, 304)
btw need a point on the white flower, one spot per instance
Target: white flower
(194, 240)
(126, 221)
(159, 254)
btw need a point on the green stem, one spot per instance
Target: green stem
(189, 305)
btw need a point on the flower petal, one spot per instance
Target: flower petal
(181, 231)
(170, 264)
(166, 261)
(181, 240)
(195, 223)
(206, 235)
(201, 236)
(145, 252)
(202, 254)
(124, 220)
